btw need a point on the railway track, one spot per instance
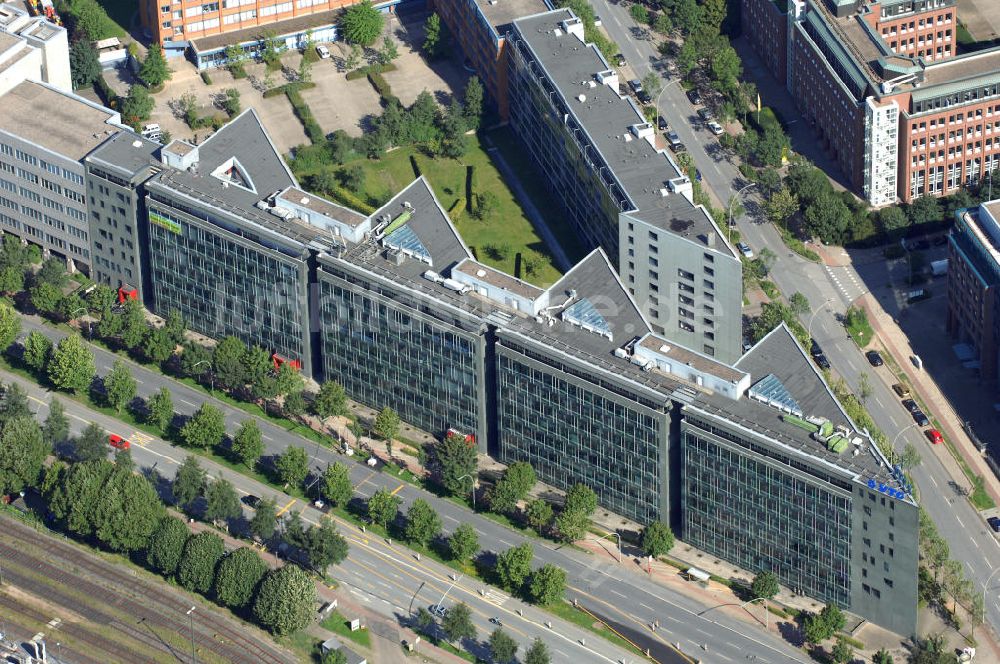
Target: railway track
(111, 586)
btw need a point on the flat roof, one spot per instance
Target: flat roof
(970, 65)
(55, 120)
(993, 207)
(286, 27)
(642, 171)
(7, 41)
(497, 278)
(178, 147)
(690, 358)
(324, 207)
(503, 12)
(127, 152)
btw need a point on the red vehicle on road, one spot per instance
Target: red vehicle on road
(934, 436)
(118, 442)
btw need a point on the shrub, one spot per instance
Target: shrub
(380, 84)
(205, 77)
(305, 116)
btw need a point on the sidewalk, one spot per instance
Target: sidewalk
(899, 347)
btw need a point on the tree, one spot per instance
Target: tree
(454, 142)
(205, 428)
(335, 485)
(133, 324)
(538, 653)
(882, 657)
(463, 543)
(331, 400)
(513, 487)
(864, 387)
(154, 71)
(456, 463)
(294, 404)
(160, 409)
(264, 519)
(119, 386)
(271, 48)
(56, 427)
(472, 102)
(157, 345)
(71, 366)
(652, 83)
(547, 584)
(237, 577)
(580, 498)
(389, 50)
(70, 307)
(196, 569)
(924, 210)
(842, 652)
(166, 545)
(639, 14)
(10, 325)
(227, 361)
(892, 219)
(764, 585)
(910, 458)
(14, 404)
(91, 444)
(22, 453)
(503, 647)
(37, 350)
(257, 366)
(248, 443)
(422, 523)
(128, 510)
(514, 565)
(335, 657)
(435, 36)
(457, 623)
(84, 64)
(382, 507)
(799, 303)
(657, 539)
(362, 23)
(571, 525)
(292, 466)
(325, 546)
(285, 601)
(424, 619)
(196, 360)
(353, 58)
(539, 513)
(487, 204)
(221, 501)
(45, 298)
(189, 482)
(137, 106)
(386, 425)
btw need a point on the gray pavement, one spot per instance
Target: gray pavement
(956, 520)
(625, 594)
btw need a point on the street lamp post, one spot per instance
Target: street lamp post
(190, 615)
(767, 620)
(987, 585)
(473, 489)
(900, 433)
(211, 375)
(735, 198)
(619, 543)
(809, 327)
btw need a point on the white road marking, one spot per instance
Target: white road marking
(880, 404)
(933, 481)
(960, 522)
(187, 402)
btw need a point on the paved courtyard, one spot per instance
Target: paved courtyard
(981, 18)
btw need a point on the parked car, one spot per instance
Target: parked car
(675, 141)
(437, 610)
(994, 523)
(902, 391)
(251, 500)
(619, 60)
(635, 84)
(910, 405)
(322, 51)
(704, 114)
(118, 442)
(874, 358)
(496, 621)
(597, 21)
(715, 128)
(151, 129)
(694, 97)
(644, 97)
(821, 361)
(745, 249)
(920, 418)
(661, 123)
(934, 436)
(814, 348)
(917, 295)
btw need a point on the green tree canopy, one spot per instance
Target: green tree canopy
(160, 409)
(764, 585)
(71, 366)
(285, 601)
(581, 498)
(362, 23)
(383, 507)
(227, 361)
(237, 577)
(463, 543)
(331, 400)
(205, 428)
(221, 501)
(503, 647)
(457, 623)
(137, 106)
(386, 424)
(119, 386)
(335, 485)
(10, 324)
(325, 546)
(84, 64)
(189, 482)
(538, 653)
(128, 511)
(154, 71)
(435, 37)
(248, 443)
(166, 545)
(22, 453)
(456, 464)
(196, 569)
(37, 351)
(56, 427)
(547, 584)
(513, 566)
(539, 514)
(657, 539)
(264, 519)
(422, 523)
(91, 444)
(292, 465)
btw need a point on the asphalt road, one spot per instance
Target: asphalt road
(622, 594)
(830, 291)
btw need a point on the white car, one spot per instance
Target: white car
(745, 249)
(715, 128)
(323, 51)
(151, 129)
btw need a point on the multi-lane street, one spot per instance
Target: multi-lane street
(621, 594)
(829, 291)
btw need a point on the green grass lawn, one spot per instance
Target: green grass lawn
(508, 228)
(340, 625)
(120, 11)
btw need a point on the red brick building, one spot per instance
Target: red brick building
(881, 84)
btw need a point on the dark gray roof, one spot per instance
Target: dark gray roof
(605, 117)
(246, 139)
(126, 152)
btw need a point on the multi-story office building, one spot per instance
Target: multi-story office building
(481, 27)
(901, 112)
(174, 22)
(223, 250)
(32, 48)
(45, 133)
(621, 190)
(116, 172)
(974, 284)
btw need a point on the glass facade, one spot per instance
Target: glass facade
(754, 513)
(573, 431)
(386, 354)
(225, 285)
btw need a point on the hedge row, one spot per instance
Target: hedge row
(351, 201)
(282, 89)
(381, 85)
(305, 116)
(104, 91)
(376, 68)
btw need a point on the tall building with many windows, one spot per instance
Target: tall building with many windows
(620, 188)
(883, 83)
